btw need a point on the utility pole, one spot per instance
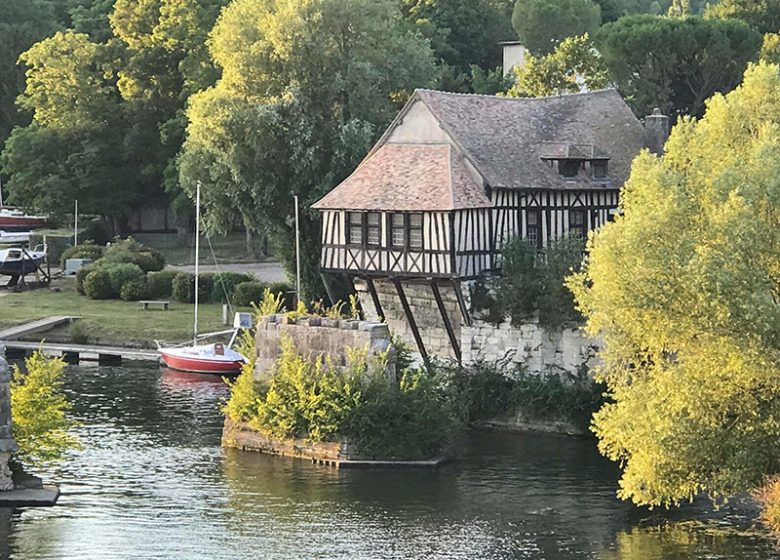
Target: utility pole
(76, 223)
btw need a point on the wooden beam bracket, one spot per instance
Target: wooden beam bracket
(446, 318)
(412, 323)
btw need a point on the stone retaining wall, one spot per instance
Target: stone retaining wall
(7, 442)
(240, 436)
(541, 351)
(321, 337)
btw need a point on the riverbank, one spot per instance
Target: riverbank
(106, 322)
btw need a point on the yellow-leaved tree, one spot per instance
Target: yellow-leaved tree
(684, 289)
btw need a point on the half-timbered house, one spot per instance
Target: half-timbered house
(455, 176)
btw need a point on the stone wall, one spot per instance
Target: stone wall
(540, 351)
(315, 337)
(7, 442)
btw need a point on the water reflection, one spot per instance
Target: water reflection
(152, 482)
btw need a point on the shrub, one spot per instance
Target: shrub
(78, 333)
(160, 284)
(80, 275)
(287, 292)
(481, 390)
(122, 273)
(225, 283)
(552, 397)
(96, 231)
(83, 251)
(768, 495)
(183, 287)
(247, 293)
(97, 284)
(131, 251)
(133, 290)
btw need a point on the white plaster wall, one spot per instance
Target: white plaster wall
(419, 126)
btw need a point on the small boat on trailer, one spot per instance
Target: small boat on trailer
(14, 237)
(18, 263)
(12, 219)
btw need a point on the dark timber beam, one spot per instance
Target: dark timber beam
(375, 297)
(412, 323)
(445, 316)
(464, 310)
(328, 289)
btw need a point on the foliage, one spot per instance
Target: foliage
(121, 273)
(131, 251)
(543, 24)
(247, 293)
(183, 287)
(270, 304)
(770, 50)
(81, 274)
(532, 281)
(683, 288)
(768, 496)
(675, 64)
(160, 284)
(482, 390)
(97, 284)
(78, 333)
(336, 311)
(305, 88)
(763, 15)
(134, 290)
(354, 307)
(572, 66)
(39, 411)
(299, 312)
(86, 250)
(225, 285)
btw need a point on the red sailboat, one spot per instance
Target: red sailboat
(203, 358)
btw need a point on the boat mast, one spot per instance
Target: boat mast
(197, 258)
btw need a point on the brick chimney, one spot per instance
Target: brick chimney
(656, 131)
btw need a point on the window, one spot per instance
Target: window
(397, 231)
(354, 228)
(600, 170)
(577, 223)
(533, 230)
(415, 231)
(373, 229)
(568, 168)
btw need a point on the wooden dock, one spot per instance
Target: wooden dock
(41, 325)
(73, 353)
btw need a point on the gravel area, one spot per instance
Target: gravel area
(269, 271)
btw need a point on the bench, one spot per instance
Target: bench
(146, 304)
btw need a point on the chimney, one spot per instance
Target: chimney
(656, 131)
(514, 55)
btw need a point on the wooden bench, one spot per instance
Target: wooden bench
(146, 304)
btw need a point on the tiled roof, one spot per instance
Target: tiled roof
(408, 177)
(507, 138)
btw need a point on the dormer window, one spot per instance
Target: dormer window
(600, 170)
(568, 168)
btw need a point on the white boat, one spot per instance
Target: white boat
(8, 237)
(202, 358)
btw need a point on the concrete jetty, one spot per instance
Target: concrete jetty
(41, 325)
(73, 353)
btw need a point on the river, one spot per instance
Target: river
(153, 482)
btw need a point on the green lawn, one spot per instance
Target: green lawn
(230, 248)
(109, 321)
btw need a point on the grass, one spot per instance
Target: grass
(230, 248)
(108, 321)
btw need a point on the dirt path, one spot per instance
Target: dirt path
(269, 271)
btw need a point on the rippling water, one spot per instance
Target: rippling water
(152, 482)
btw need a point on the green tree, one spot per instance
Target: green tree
(22, 24)
(542, 24)
(572, 65)
(463, 34)
(305, 88)
(684, 290)
(39, 411)
(764, 15)
(675, 64)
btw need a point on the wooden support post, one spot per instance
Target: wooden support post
(328, 289)
(446, 318)
(464, 310)
(109, 359)
(412, 323)
(70, 357)
(375, 297)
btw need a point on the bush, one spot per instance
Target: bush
(225, 283)
(97, 284)
(81, 274)
(96, 231)
(183, 287)
(533, 281)
(131, 251)
(480, 391)
(287, 292)
(160, 284)
(552, 397)
(247, 293)
(122, 273)
(83, 251)
(133, 290)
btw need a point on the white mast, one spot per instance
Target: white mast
(297, 254)
(197, 258)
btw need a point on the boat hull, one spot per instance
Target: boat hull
(200, 365)
(21, 223)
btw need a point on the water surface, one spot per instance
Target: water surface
(152, 482)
